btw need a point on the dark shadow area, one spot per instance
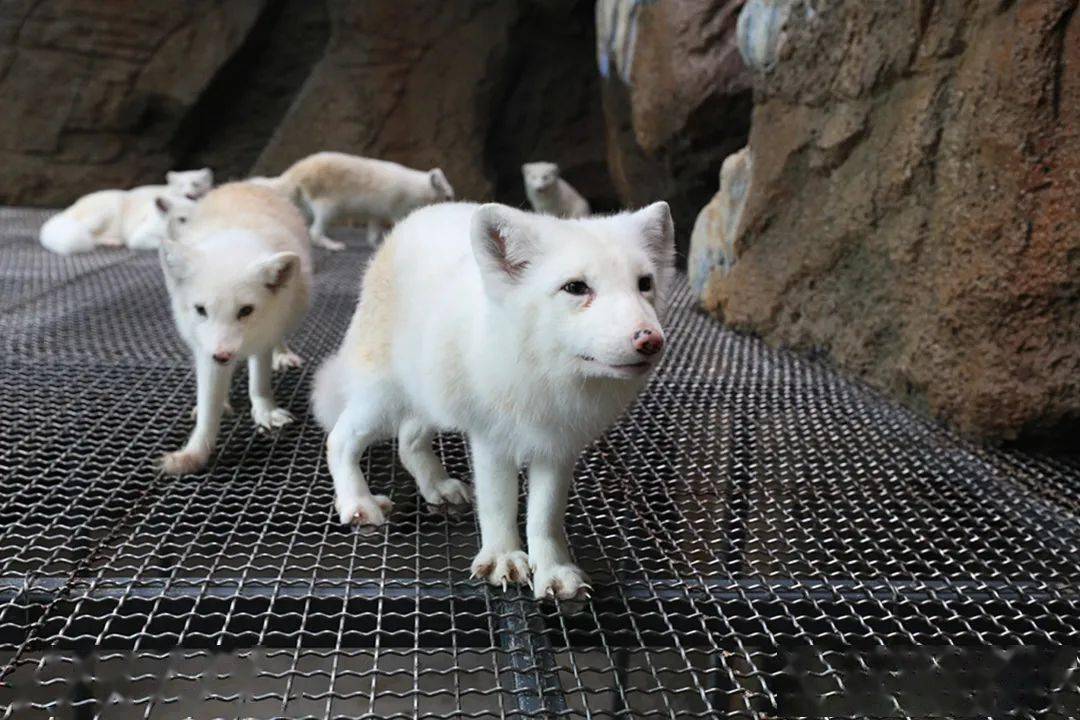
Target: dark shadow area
(233, 121)
(548, 108)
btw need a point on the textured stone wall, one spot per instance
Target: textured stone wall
(676, 99)
(95, 94)
(106, 94)
(914, 210)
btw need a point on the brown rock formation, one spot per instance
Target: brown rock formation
(113, 94)
(475, 87)
(676, 98)
(94, 92)
(915, 207)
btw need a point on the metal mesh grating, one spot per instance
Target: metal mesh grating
(769, 539)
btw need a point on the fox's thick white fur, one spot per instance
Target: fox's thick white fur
(475, 318)
(550, 194)
(239, 280)
(336, 186)
(122, 217)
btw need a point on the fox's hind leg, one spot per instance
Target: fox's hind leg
(374, 232)
(368, 416)
(419, 458)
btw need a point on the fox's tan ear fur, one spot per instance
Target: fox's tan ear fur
(502, 244)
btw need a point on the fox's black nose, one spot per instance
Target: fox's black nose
(222, 358)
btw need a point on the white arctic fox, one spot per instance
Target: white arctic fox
(550, 194)
(336, 186)
(122, 217)
(239, 279)
(529, 333)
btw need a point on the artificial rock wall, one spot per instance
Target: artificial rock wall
(113, 94)
(913, 209)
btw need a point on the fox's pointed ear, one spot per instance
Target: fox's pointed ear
(503, 245)
(276, 271)
(658, 232)
(176, 259)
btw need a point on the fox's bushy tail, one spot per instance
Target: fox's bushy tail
(65, 235)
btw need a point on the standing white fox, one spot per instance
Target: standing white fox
(335, 186)
(545, 331)
(239, 279)
(113, 218)
(550, 194)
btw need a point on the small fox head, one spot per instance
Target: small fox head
(443, 190)
(176, 210)
(540, 175)
(585, 295)
(228, 306)
(192, 184)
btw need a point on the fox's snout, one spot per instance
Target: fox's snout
(648, 341)
(223, 358)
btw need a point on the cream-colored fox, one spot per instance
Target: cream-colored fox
(114, 218)
(239, 280)
(529, 333)
(336, 186)
(550, 194)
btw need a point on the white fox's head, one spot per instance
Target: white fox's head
(192, 184)
(175, 211)
(584, 295)
(230, 304)
(441, 186)
(540, 175)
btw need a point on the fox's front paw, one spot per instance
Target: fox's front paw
(269, 418)
(566, 582)
(367, 510)
(285, 359)
(183, 462)
(501, 567)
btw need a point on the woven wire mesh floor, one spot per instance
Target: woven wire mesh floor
(767, 539)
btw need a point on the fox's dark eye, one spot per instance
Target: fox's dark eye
(576, 287)
(244, 311)
(644, 283)
(181, 220)
(201, 309)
